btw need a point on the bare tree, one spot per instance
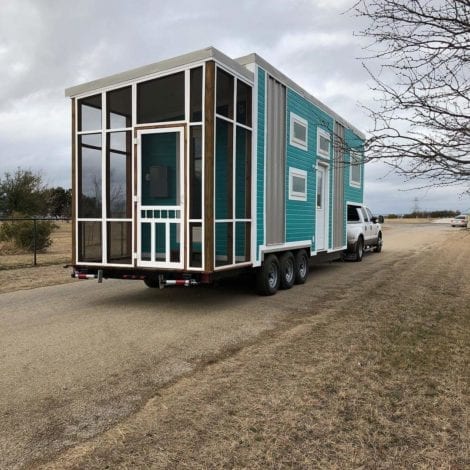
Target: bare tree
(422, 88)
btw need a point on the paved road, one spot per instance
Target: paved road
(76, 358)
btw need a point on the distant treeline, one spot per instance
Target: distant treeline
(23, 193)
(424, 215)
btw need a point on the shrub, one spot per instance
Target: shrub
(21, 233)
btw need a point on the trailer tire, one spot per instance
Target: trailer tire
(301, 267)
(151, 282)
(359, 251)
(287, 264)
(268, 277)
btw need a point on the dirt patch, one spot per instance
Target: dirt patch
(376, 376)
(12, 280)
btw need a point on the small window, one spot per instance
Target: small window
(161, 100)
(355, 173)
(119, 108)
(224, 94)
(195, 105)
(323, 143)
(298, 132)
(353, 214)
(297, 184)
(365, 214)
(89, 113)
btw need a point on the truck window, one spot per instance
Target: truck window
(365, 215)
(353, 214)
(369, 213)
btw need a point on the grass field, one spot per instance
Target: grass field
(58, 253)
(376, 376)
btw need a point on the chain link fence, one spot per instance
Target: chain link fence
(24, 241)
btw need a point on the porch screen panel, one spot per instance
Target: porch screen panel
(89, 176)
(118, 162)
(338, 189)
(275, 162)
(161, 99)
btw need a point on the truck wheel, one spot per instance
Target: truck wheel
(287, 263)
(359, 250)
(301, 267)
(268, 277)
(151, 282)
(380, 242)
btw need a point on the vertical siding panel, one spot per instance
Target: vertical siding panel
(275, 163)
(260, 160)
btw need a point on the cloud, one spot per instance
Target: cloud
(47, 46)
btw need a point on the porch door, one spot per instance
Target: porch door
(161, 198)
(321, 220)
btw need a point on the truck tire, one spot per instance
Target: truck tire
(287, 265)
(378, 247)
(359, 250)
(151, 282)
(268, 277)
(301, 267)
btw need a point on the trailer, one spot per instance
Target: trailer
(203, 166)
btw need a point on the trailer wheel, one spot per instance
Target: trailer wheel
(301, 267)
(287, 263)
(359, 250)
(151, 282)
(380, 242)
(268, 278)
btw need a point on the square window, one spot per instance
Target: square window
(298, 132)
(161, 99)
(323, 143)
(355, 169)
(297, 184)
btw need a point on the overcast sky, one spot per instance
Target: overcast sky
(48, 45)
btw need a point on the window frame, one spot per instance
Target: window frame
(355, 156)
(320, 152)
(294, 141)
(298, 173)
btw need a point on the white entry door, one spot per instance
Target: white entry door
(161, 198)
(321, 222)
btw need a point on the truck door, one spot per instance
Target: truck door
(374, 227)
(368, 236)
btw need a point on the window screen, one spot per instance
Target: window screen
(161, 99)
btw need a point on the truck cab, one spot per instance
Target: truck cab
(364, 232)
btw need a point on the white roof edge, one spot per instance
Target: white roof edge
(256, 59)
(167, 64)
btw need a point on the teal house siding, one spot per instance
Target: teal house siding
(261, 74)
(300, 215)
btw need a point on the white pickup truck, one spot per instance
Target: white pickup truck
(364, 232)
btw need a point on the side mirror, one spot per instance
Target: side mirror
(381, 219)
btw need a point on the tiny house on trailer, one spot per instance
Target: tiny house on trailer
(202, 166)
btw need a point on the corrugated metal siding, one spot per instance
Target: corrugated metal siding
(260, 160)
(338, 189)
(300, 215)
(275, 162)
(352, 193)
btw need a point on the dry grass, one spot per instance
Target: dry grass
(376, 378)
(59, 252)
